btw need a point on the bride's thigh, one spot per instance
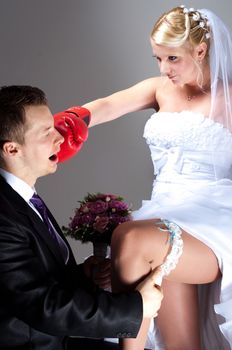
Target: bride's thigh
(138, 246)
(197, 265)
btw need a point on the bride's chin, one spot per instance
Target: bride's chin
(177, 83)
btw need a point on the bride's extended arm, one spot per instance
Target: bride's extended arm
(137, 97)
(72, 123)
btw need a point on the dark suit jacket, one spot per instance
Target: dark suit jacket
(42, 300)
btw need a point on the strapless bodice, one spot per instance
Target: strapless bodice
(189, 144)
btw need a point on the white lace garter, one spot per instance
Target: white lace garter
(176, 243)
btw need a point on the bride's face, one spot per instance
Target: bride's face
(177, 63)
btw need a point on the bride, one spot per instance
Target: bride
(186, 226)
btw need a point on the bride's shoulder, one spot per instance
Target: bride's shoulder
(162, 82)
(159, 86)
(155, 82)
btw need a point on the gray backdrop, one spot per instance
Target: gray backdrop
(77, 51)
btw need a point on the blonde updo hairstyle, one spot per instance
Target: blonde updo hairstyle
(182, 27)
(177, 27)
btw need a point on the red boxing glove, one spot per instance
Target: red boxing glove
(72, 124)
(81, 112)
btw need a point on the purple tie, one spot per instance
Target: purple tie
(39, 204)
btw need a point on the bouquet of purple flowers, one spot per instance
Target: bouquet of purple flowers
(96, 218)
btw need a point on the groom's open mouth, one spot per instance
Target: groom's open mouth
(54, 157)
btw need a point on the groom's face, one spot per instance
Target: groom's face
(41, 144)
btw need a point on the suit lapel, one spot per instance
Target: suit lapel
(41, 229)
(57, 227)
(37, 225)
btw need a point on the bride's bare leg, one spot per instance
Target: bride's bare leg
(129, 268)
(178, 317)
(139, 246)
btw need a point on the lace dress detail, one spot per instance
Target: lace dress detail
(192, 158)
(186, 129)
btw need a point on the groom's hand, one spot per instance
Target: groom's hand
(151, 294)
(99, 270)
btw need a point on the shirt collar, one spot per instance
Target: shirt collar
(20, 186)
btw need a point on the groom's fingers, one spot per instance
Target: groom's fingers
(156, 277)
(151, 293)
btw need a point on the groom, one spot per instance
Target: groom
(47, 301)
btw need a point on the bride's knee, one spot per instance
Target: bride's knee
(125, 245)
(123, 235)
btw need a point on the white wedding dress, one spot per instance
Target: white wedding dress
(185, 192)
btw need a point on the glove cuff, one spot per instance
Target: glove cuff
(80, 112)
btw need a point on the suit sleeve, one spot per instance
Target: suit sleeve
(43, 296)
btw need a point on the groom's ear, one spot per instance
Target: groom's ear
(9, 149)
